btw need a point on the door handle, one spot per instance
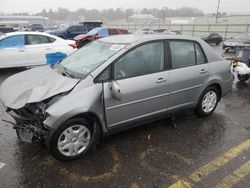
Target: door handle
(160, 80)
(203, 71)
(21, 50)
(48, 48)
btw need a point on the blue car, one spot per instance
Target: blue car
(69, 32)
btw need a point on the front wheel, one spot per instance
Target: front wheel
(208, 102)
(243, 77)
(71, 140)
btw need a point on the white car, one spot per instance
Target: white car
(21, 49)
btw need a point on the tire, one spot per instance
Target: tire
(243, 77)
(207, 108)
(79, 136)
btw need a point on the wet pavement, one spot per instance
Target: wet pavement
(197, 152)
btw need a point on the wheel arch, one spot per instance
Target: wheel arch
(92, 118)
(218, 87)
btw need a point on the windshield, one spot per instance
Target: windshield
(243, 36)
(89, 57)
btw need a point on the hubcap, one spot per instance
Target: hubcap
(74, 140)
(209, 101)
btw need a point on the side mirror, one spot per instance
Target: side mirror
(68, 31)
(116, 90)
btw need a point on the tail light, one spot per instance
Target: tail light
(73, 45)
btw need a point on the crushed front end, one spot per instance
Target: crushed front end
(29, 122)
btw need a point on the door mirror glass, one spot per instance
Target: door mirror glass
(116, 90)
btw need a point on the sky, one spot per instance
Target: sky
(207, 6)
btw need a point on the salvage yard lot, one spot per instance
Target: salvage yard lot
(190, 152)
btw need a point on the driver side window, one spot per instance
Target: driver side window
(145, 59)
(72, 29)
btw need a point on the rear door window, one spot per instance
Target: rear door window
(38, 39)
(12, 42)
(182, 54)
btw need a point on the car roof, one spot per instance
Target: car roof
(132, 38)
(28, 32)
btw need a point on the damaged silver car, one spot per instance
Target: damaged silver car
(112, 84)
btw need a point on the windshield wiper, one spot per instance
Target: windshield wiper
(66, 72)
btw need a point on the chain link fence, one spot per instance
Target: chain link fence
(225, 30)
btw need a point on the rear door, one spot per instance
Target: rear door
(189, 73)
(13, 52)
(143, 83)
(37, 47)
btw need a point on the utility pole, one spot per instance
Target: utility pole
(217, 12)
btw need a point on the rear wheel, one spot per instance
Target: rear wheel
(208, 101)
(243, 77)
(71, 140)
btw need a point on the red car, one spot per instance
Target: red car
(97, 33)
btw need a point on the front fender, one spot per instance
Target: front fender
(53, 122)
(83, 99)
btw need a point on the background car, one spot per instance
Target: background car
(145, 31)
(97, 33)
(18, 49)
(69, 32)
(35, 27)
(6, 29)
(211, 38)
(243, 38)
(166, 31)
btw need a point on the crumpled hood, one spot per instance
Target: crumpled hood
(34, 85)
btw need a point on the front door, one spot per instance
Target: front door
(143, 85)
(13, 52)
